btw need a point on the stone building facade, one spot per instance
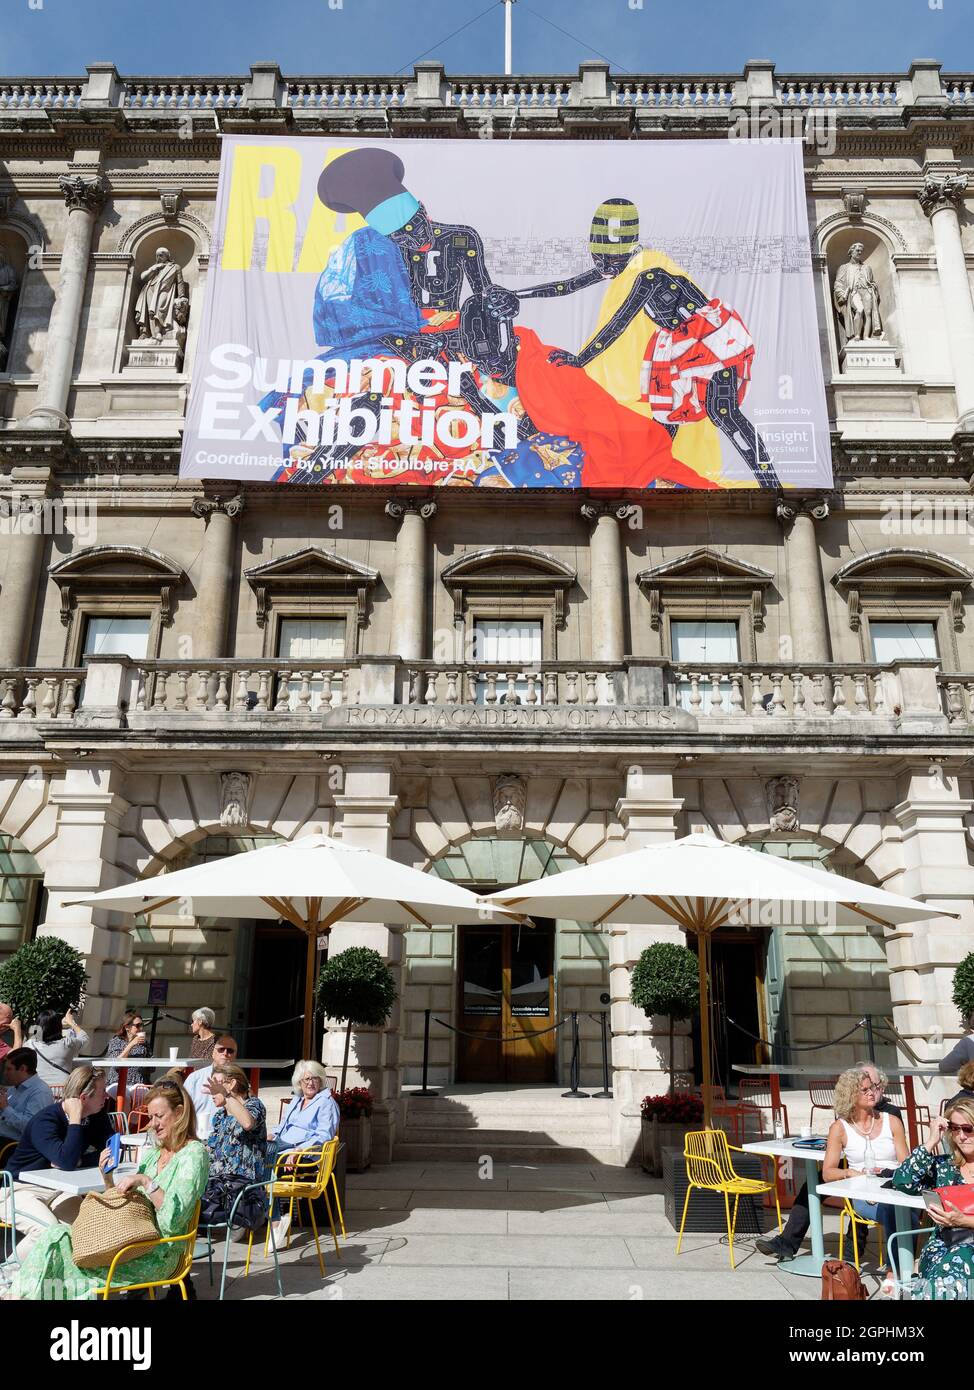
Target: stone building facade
(189, 670)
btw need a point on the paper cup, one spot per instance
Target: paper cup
(173, 1053)
(806, 1131)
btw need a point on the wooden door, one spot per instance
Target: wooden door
(506, 990)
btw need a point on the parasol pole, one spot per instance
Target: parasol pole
(309, 995)
(703, 977)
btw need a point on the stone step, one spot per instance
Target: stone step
(464, 1109)
(573, 1138)
(506, 1153)
(572, 1119)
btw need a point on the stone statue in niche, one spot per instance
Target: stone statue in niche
(856, 297)
(510, 796)
(162, 285)
(234, 794)
(8, 288)
(863, 345)
(782, 796)
(161, 315)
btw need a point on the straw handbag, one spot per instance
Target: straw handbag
(106, 1223)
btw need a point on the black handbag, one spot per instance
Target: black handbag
(219, 1197)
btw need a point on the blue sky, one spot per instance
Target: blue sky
(183, 37)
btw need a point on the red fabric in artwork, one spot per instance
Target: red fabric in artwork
(622, 448)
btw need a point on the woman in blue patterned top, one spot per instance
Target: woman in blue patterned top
(237, 1145)
(948, 1256)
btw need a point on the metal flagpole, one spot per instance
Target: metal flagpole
(508, 57)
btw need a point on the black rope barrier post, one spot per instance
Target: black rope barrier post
(574, 1093)
(870, 1041)
(425, 1091)
(152, 1030)
(605, 1093)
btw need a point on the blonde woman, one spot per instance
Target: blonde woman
(172, 1176)
(948, 1256)
(869, 1140)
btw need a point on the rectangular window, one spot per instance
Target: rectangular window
(514, 643)
(305, 641)
(904, 641)
(116, 637)
(699, 646)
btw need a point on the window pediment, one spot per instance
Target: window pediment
(108, 571)
(904, 572)
(705, 574)
(508, 572)
(311, 572)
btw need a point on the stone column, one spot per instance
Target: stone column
(942, 198)
(25, 557)
(90, 811)
(923, 956)
(368, 808)
(806, 598)
(217, 574)
(409, 587)
(607, 598)
(648, 811)
(84, 199)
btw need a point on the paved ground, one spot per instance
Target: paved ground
(443, 1231)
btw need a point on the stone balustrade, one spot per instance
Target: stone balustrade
(141, 694)
(720, 691)
(593, 85)
(548, 683)
(39, 692)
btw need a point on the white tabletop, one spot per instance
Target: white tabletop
(134, 1141)
(869, 1189)
(147, 1062)
(784, 1148)
(77, 1180)
(787, 1069)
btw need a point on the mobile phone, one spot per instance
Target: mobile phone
(114, 1147)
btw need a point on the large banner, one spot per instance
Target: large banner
(510, 314)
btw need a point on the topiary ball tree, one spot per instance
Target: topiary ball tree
(356, 987)
(44, 974)
(964, 989)
(665, 981)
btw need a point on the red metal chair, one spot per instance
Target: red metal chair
(895, 1094)
(755, 1092)
(821, 1093)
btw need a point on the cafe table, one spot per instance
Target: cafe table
(870, 1189)
(74, 1180)
(812, 1159)
(774, 1072)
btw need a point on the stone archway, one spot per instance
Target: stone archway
(581, 956)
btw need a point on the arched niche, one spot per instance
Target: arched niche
(142, 355)
(877, 255)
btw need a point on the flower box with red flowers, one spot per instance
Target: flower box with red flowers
(355, 1102)
(666, 1120)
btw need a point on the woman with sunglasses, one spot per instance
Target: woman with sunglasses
(948, 1256)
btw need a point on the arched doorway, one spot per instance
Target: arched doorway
(251, 973)
(512, 982)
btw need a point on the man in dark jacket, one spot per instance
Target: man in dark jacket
(786, 1246)
(69, 1134)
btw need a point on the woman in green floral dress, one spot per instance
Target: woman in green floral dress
(948, 1256)
(172, 1176)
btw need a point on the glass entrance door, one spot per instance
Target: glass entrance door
(506, 991)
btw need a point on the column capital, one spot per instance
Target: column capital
(206, 506)
(817, 508)
(618, 511)
(943, 187)
(84, 195)
(399, 508)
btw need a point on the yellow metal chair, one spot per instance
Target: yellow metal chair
(178, 1275)
(310, 1176)
(848, 1210)
(711, 1169)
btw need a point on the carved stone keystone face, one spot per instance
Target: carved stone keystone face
(782, 798)
(234, 795)
(510, 795)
